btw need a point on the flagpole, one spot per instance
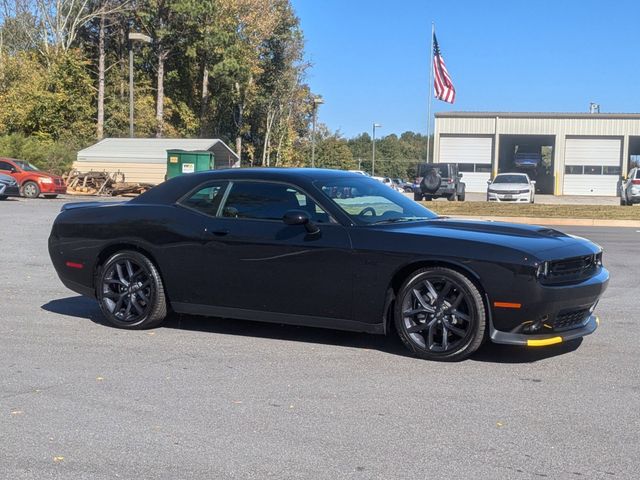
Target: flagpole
(433, 29)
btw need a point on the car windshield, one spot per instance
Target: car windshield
(26, 166)
(511, 179)
(367, 201)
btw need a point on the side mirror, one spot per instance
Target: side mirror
(13, 170)
(533, 182)
(488, 182)
(300, 217)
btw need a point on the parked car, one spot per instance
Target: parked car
(32, 181)
(8, 187)
(527, 156)
(402, 185)
(360, 172)
(439, 180)
(283, 246)
(511, 187)
(630, 188)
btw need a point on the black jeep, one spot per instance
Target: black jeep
(439, 180)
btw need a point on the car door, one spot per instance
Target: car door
(255, 262)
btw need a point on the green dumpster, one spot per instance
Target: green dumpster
(188, 161)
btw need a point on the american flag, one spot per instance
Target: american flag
(442, 85)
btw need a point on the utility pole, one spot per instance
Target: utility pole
(133, 37)
(316, 102)
(373, 150)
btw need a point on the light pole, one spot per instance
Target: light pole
(133, 37)
(316, 102)
(373, 151)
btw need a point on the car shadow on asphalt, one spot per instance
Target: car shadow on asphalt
(86, 308)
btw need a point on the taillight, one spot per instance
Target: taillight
(635, 182)
(451, 180)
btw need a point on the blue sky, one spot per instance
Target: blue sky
(371, 58)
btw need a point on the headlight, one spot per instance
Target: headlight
(45, 180)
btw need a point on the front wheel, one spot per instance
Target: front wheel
(130, 291)
(439, 314)
(3, 197)
(31, 190)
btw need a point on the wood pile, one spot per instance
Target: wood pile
(102, 183)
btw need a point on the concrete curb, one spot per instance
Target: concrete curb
(574, 222)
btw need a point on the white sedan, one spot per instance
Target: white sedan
(511, 187)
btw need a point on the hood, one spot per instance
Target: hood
(45, 175)
(499, 187)
(536, 241)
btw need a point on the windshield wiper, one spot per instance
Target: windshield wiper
(399, 219)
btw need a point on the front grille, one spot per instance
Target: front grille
(570, 319)
(58, 181)
(572, 268)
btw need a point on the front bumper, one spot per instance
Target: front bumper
(504, 197)
(543, 340)
(53, 188)
(558, 312)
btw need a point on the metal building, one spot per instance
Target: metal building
(145, 159)
(582, 153)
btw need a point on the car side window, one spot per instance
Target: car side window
(6, 166)
(207, 199)
(269, 201)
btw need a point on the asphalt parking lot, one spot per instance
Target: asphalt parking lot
(216, 398)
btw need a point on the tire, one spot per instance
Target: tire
(417, 196)
(117, 299)
(623, 202)
(431, 183)
(428, 198)
(30, 190)
(3, 197)
(458, 312)
(50, 196)
(461, 196)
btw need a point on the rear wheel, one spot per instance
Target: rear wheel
(130, 291)
(428, 198)
(31, 190)
(623, 202)
(439, 314)
(3, 197)
(461, 195)
(417, 196)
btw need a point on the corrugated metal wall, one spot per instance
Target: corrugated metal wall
(559, 126)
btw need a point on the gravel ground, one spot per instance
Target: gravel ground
(214, 398)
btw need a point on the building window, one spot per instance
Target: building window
(593, 170)
(573, 169)
(465, 167)
(483, 167)
(611, 170)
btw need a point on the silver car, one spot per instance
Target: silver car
(511, 187)
(630, 188)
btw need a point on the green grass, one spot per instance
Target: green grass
(609, 212)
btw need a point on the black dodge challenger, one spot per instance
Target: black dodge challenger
(330, 249)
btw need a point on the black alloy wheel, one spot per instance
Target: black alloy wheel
(440, 314)
(130, 291)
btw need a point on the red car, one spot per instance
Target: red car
(32, 181)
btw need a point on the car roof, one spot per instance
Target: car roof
(173, 189)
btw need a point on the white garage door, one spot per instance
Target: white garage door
(592, 166)
(473, 156)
